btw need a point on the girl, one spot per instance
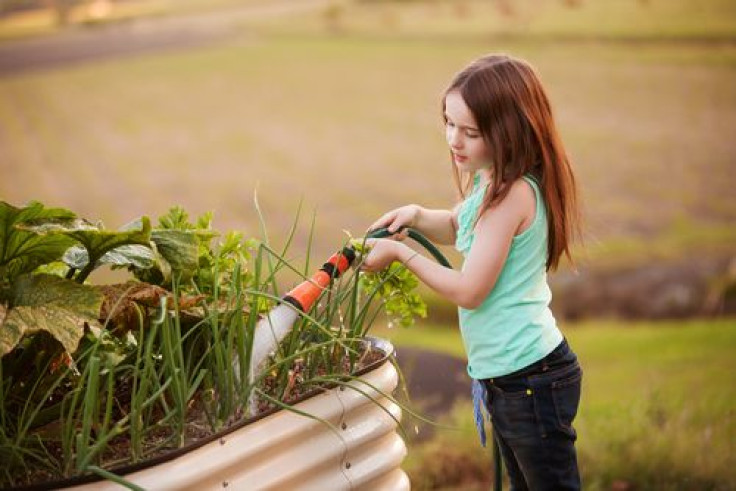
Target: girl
(518, 217)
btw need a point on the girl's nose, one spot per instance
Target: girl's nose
(454, 139)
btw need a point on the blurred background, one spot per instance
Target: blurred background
(327, 113)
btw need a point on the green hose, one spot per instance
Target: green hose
(382, 233)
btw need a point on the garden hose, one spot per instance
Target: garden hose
(422, 240)
(382, 233)
(305, 294)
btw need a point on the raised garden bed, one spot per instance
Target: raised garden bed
(105, 381)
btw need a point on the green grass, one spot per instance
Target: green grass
(657, 407)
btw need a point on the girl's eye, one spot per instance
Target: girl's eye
(449, 124)
(472, 135)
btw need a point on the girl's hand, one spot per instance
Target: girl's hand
(406, 216)
(382, 253)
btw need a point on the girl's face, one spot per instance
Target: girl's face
(469, 150)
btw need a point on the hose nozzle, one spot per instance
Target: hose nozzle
(306, 293)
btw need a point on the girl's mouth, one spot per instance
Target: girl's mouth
(459, 158)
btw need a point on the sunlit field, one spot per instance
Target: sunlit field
(335, 114)
(349, 124)
(657, 409)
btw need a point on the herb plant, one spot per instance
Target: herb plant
(95, 377)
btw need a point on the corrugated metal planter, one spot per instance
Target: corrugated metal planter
(285, 450)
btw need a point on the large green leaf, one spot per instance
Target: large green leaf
(48, 303)
(131, 255)
(179, 248)
(176, 254)
(22, 251)
(95, 240)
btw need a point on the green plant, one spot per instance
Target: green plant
(121, 373)
(396, 287)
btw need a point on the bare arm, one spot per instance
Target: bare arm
(439, 226)
(493, 235)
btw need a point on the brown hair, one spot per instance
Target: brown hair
(514, 117)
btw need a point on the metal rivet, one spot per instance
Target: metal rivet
(347, 465)
(344, 426)
(222, 441)
(225, 484)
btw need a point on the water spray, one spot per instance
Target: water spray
(272, 329)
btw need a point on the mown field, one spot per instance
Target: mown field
(349, 122)
(657, 410)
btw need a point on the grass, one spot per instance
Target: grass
(206, 128)
(657, 408)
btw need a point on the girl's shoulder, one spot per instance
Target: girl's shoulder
(526, 193)
(522, 193)
(519, 206)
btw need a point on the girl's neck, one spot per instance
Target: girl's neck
(484, 175)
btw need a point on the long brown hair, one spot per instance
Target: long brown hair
(514, 117)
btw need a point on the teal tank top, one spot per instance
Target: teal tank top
(514, 326)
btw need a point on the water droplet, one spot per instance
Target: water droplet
(390, 325)
(416, 429)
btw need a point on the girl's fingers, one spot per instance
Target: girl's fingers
(401, 235)
(385, 221)
(367, 263)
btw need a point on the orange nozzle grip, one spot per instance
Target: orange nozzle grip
(306, 293)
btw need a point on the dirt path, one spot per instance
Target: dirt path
(435, 382)
(82, 44)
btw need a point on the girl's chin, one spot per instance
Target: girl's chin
(464, 166)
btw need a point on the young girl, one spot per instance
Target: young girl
(518, 217)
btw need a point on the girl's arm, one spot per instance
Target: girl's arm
(438, 225)
(493, 235)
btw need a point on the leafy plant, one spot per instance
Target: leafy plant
(186, 248)
(396, 287)
(95, 242)
(47, 303)
(147, 365)
(22, 251)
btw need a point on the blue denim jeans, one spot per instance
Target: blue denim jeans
(532, 411)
